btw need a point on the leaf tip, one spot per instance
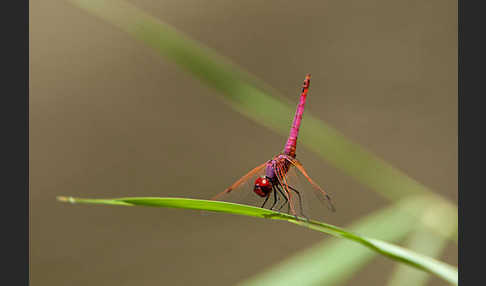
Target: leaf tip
(65, 199)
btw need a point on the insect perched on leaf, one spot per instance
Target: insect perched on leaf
(273, 181)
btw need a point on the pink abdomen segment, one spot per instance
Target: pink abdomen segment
(291, 144)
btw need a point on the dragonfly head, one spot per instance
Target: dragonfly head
(263, 186)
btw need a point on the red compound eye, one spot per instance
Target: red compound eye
(263, 186)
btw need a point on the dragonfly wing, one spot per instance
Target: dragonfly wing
(281, 171)
(316, 187)
(241, 180)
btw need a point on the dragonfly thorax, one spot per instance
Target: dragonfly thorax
(263, 186)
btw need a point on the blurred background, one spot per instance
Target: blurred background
(111, 118)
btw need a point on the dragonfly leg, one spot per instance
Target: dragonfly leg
(286, 201)
(264, 202)
(275, 199)
(283, 195)
(279, 187)
(300, 201)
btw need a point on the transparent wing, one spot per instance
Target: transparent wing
(320, 193)
(281, 170)
(241, 191)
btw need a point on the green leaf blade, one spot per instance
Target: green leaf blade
(333, 261)
(443, 270)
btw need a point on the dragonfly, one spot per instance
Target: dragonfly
(274, 181)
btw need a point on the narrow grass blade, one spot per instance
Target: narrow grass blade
(425, 242)
(333, 261)
(442, 270)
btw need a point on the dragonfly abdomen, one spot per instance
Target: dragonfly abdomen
(291, 145)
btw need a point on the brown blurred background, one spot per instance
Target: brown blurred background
(110, 118)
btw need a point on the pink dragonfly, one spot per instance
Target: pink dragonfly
(274, 173)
